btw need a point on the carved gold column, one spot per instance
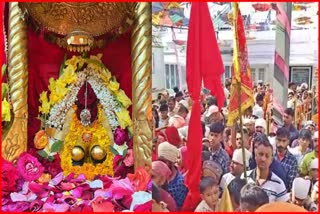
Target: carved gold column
(15, 142)
(141, 85)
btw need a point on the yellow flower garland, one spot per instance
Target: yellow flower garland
(59, 88)
(74, 138)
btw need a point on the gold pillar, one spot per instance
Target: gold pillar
(141, 85)
(15, 142)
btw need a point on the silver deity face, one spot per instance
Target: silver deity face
(85, 117)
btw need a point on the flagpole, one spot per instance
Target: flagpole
(235, 17)
(241, 130)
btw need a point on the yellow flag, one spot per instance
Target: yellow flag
(225, 203)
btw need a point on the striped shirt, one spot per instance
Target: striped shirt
(273, 186)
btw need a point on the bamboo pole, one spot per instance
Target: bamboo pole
(241, 130)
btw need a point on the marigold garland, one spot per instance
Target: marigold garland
(99, 137)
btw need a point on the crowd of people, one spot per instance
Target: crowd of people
(266, 160)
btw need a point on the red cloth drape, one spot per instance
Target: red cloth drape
(44, 60)
(203, 63)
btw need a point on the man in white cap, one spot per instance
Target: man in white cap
(300, 191)
(313, 173)
(306, 161)
(212, 115)
(260, 125)
(236, 166)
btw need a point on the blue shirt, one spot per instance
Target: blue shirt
(221, 157)
(290, 165)
(177, 189)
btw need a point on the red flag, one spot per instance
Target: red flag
(203, 63)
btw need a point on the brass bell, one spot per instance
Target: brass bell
(77, 153)
(97, 153)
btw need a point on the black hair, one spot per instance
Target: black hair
(176, 89)
(283, 132)
(305, 133)
(164, 107)
(156, 193)
(206, 182)
(216, 127)
(179, 94)
(252, 197)
(211, 101)
(259, 97)
(156, 116)
(289, 111)
(262, 139)
(235, 187)
(203, 126)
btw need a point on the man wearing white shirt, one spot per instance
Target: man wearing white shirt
(262, 175)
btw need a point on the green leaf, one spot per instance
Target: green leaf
(5, 89)
(115, 152)
(120, 162)
(43, 154)
(56, 146)
(51, 158)
(4, 68)
(125, 152)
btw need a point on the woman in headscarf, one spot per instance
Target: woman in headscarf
(160, 175)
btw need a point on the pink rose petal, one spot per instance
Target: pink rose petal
(121, 188)
(67, 186)
(36, 205)
(101, 205)
(57, 179)
(69, 177)
(77, 192)
(18, 197)
(70, 200)
(37, 188)
(87, 195)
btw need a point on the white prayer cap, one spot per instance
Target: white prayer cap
(260, 122)
(258, 112)
(212, 109)
(300, 188)
(315, 135)
(183, 132)
(184, 103)
(304, 85)
(237, 156)
(314, 164)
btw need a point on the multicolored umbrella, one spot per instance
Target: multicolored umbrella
(168, 14)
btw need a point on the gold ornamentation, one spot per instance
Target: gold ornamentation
(141, 85)
(77, 153)
(81, 22)
(15, 142)
(94, 18)
(97, 153)
(74, 139)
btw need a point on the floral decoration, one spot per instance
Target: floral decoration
(72, 193)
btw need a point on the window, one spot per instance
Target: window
(253, 75)
(261, 74)
(172, 76)
(167, 76)
(227, 72)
